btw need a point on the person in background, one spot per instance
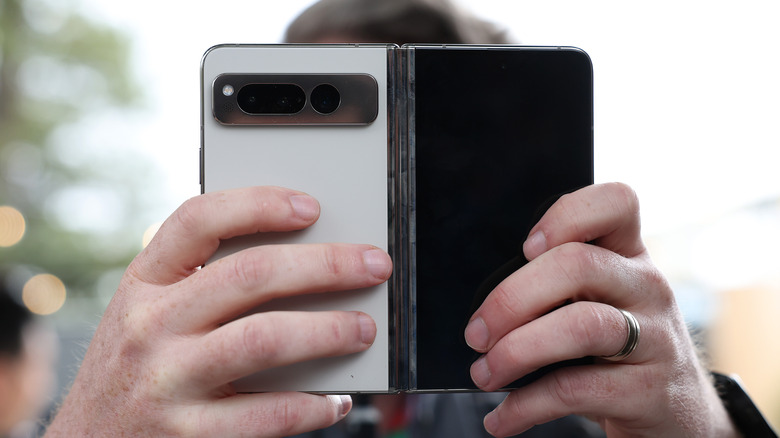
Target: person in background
(392, 21)
(401, 22)
(28, 353)
(162, 359)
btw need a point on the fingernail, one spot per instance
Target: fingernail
(535, 246)
(343, 403)
(480, 373)
(305, 206)
(477, 335)
(377, 262)
(367, 328)
(491, 422)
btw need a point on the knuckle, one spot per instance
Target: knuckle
(508, 302)
(250, 270)
(656, 284)
(576, 261)
(331, 261)
(188, 216)
(337, 329)
(139, 323)
(626, 202)
(566, 200)
(587, 325)
(575, 254)
(567, 207)
(624, 196)
(287, 415)
(262, 344)
(565, 389)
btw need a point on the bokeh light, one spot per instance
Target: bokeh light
(150, 232)
(44, 294)
(12, 226)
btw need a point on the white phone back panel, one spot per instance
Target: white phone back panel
(344, 167)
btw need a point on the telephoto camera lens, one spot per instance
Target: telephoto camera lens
(325, 98)
(271, 98)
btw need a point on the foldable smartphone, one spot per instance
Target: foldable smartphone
(445, 156)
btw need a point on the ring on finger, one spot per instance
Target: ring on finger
(632, 338)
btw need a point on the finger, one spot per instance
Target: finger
(266, 340)
(234, 284)
(606, 214)
(193, 232)
(593, 391)
(571, 272)
(264, 415)
(574, 331)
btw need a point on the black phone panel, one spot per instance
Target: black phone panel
(498, 135)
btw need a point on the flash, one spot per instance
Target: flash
(227, 90)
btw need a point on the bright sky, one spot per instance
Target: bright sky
(687, 95)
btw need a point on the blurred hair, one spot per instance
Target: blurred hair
(14, 317)
(392, 21)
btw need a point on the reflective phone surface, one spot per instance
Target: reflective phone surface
(499, 135)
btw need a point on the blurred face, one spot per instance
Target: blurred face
(27, 381)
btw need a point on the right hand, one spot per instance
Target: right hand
(587, 251)
(162, 358)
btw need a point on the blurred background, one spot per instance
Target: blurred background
(99, 138)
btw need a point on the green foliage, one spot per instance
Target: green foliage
(58, 71)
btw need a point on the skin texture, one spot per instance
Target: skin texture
(167, 347)
(659, 390)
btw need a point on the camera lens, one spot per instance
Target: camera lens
(325, 98)
(271, 98)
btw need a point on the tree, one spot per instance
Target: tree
(59, 74)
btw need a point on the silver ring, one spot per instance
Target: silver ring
(632, 338)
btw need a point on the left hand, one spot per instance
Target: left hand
(587, 251)
(163, 359)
